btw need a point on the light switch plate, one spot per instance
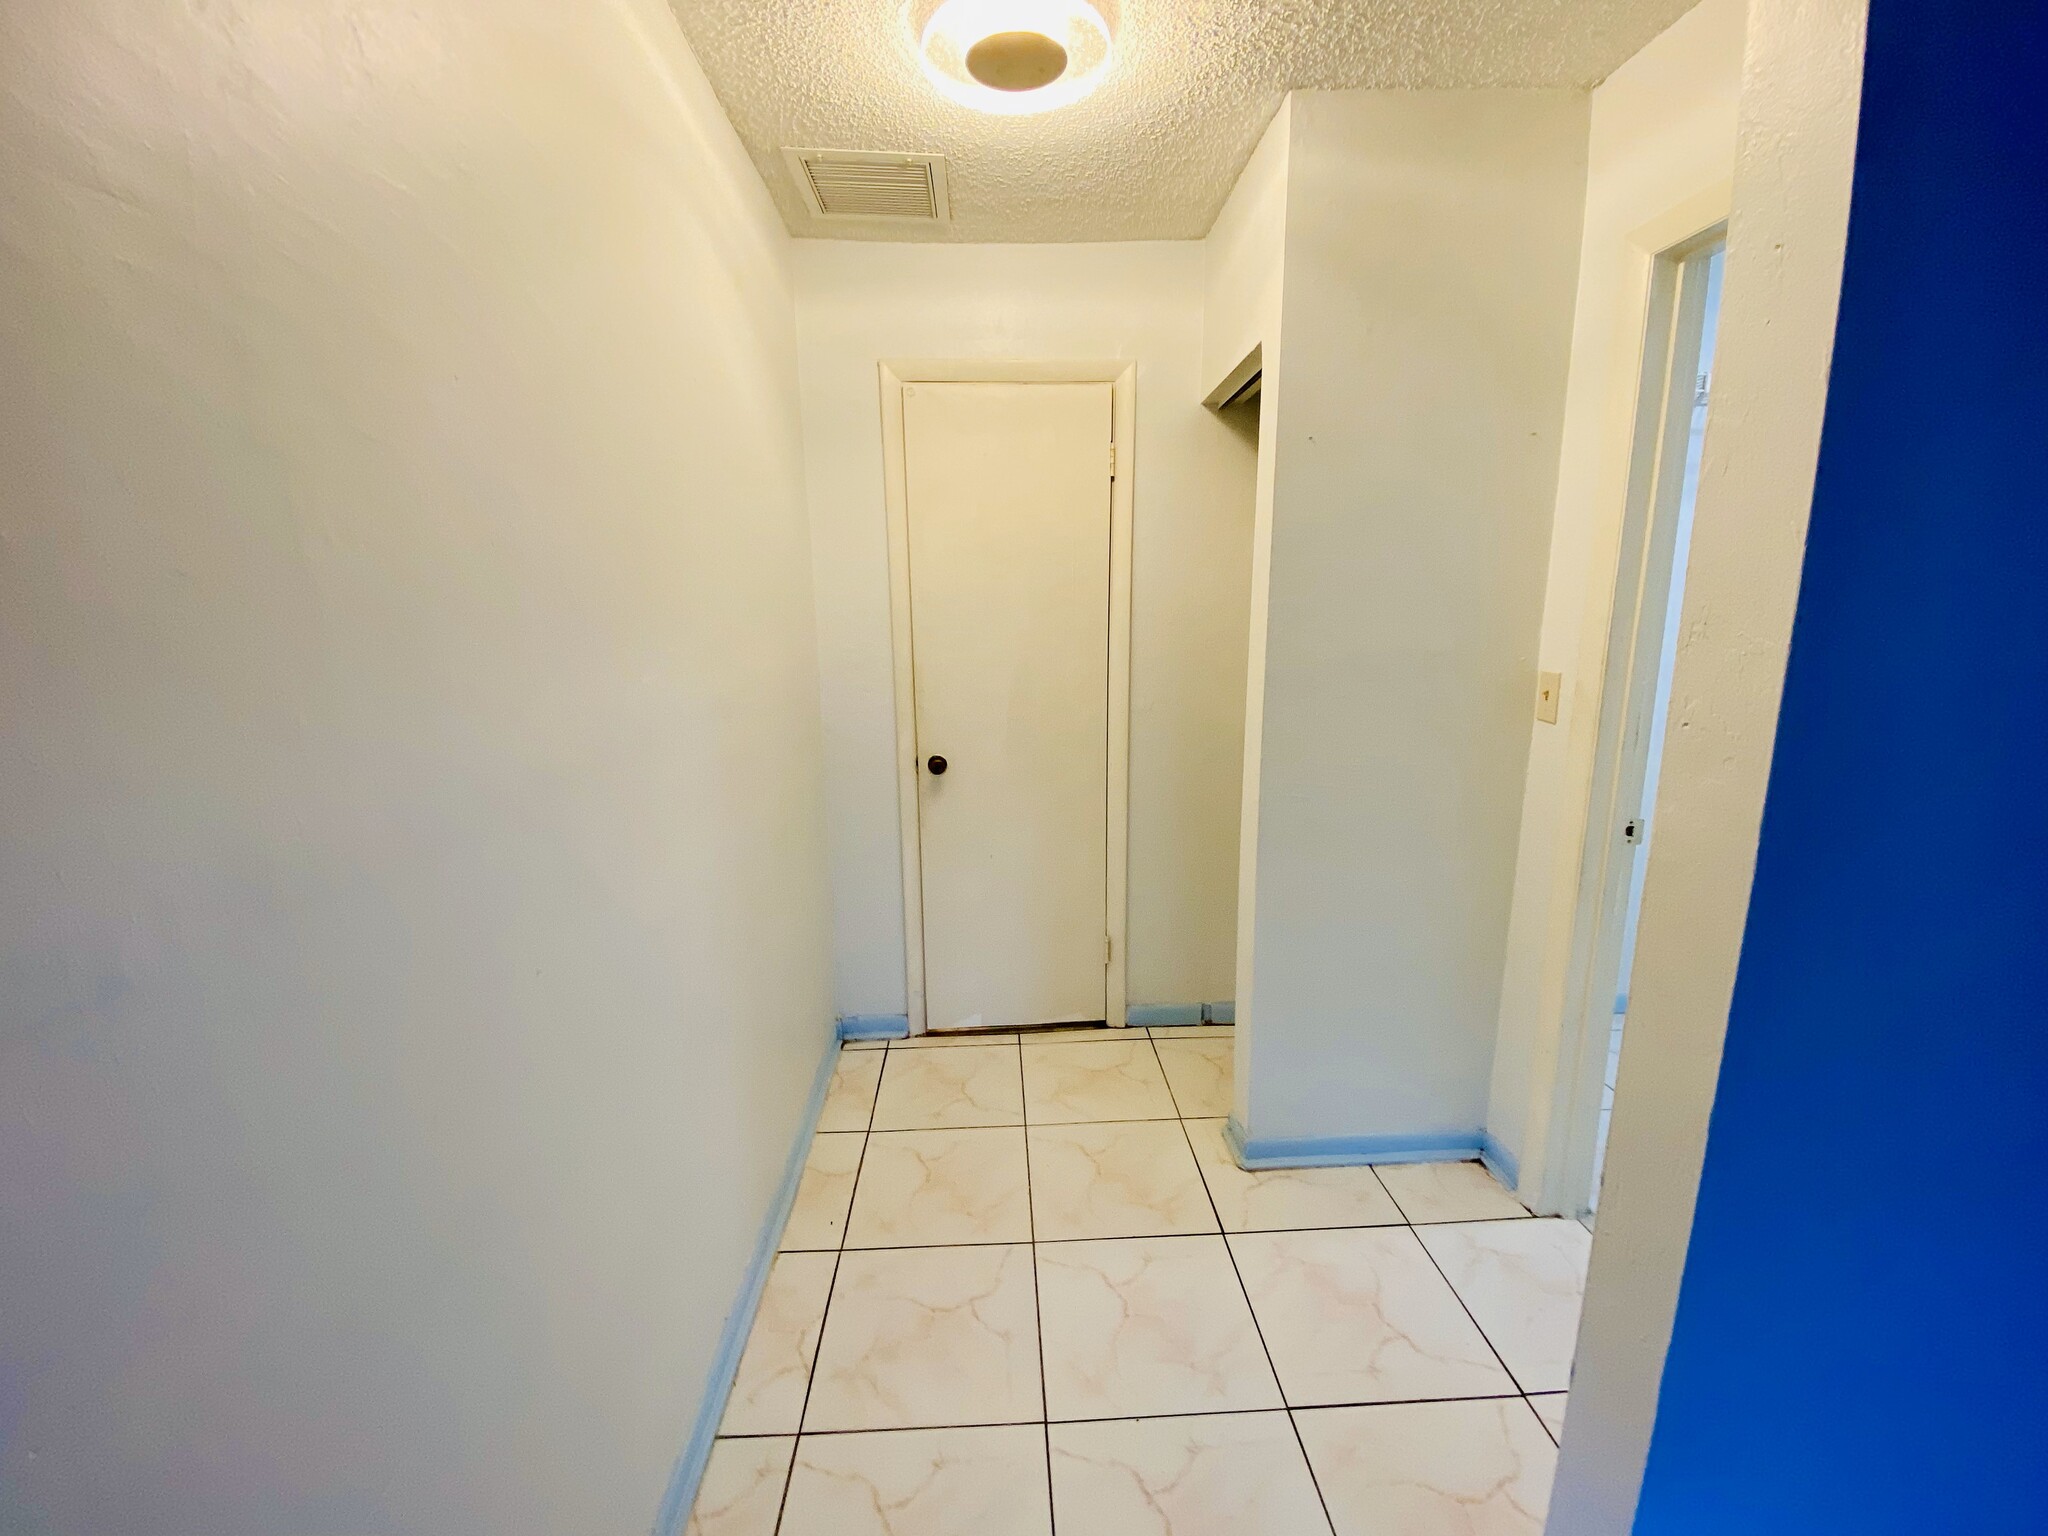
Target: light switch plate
(1548, 686)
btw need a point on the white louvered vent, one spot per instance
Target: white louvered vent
(862, 184)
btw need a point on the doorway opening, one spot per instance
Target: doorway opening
(1663, 482)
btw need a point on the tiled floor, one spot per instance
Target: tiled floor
(1026, 1290)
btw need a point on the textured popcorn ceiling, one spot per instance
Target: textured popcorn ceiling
(1154, 151)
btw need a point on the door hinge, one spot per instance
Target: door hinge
(1105, 949)
(1112, 458)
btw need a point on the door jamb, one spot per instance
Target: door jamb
(1546, 1092)
(1122, 377)
(1564, 1161)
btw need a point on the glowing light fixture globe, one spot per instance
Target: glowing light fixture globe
(1013, 57)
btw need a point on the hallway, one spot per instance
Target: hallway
(562, 564)
(1025, 1288)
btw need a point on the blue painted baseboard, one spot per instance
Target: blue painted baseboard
(1163, 1014)
(1346, 1151)
(725, 1363)
(874, 1026)
(1500, 1162)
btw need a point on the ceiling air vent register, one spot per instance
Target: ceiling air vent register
(863, 184)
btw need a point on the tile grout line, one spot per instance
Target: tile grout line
(1230, 1253)
(1409, 1222)
(1037, 1307)
(996, 1242)
(1486, 1338)
(817, 1349)
(1130, 1418)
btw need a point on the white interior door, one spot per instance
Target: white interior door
(1007, 488)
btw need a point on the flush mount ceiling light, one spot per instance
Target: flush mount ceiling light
(1013, 57)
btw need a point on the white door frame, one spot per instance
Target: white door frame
(1122, 376)
(1673, 272)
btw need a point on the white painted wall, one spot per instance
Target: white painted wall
(1244, 270)
(1662, 136)
(410, 830)
(1430, 263)
(861, 302)
(1794, 161)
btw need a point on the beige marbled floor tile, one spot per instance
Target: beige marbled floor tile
(1360, 1315)
(864, 1045)
(1118, 1178)
(1550, 1408)
(925, 1337)
(935, 1090)
(1198, 1071)
(741, 1493)
(1274, 1199)
(928, 1042)
(1432, 1469)
(1193, 1032)
(1101, 1080)
(852, 1094)
(768, 1392)
(1524, 1281)
(1147, 1325)
(818, 1218)
(1076, 1034)
(984, 1481)
(1430, 1192)
(931, 1188)
(1220, 1474)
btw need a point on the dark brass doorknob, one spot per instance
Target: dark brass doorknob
(936, 764)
